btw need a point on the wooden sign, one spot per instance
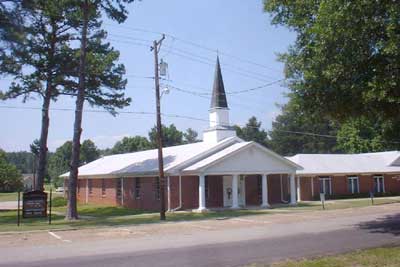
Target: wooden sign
(34, 204)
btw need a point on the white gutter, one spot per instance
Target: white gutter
(283, 201)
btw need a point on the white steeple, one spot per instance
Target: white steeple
(219, 112)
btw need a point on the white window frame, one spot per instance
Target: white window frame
(380, 190)
(354, 177)
(323, 179)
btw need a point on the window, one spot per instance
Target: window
(325, 185)
(103, 187)
(352, 184)
(137, 188)
(119, 188)
(379, 184)
(157, 188)
(90, 186)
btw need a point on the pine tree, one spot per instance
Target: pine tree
(100, 81)
(43, 50)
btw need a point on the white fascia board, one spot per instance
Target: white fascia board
(222, 145)
(277, 156)
(212, 163)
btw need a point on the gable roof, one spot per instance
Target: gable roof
(146, 162)
(233, 150)
(379, 162)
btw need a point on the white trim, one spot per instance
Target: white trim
(87, 191)
(298, 191)
(122, 191)
(351, 178)
(328, 178)
(169, 192)
(380, 190)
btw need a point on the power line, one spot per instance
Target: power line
(189, 118)
(213, 50)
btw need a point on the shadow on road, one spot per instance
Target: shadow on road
(388, 224)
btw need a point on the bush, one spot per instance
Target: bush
(59, 202)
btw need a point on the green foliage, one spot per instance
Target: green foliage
(360, 136)
(10, 177)
(59, 202)
(24, 161)
(286, 136)
(171, 136)
(60, 160)
(190, 136)
(131, 144)
(345, 62)
(253, 132)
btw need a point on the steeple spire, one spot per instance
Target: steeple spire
(218, 99)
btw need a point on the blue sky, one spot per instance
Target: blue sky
(238, 29)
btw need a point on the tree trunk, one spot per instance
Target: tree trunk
(42, 159)
(41, 170)
(72, 212)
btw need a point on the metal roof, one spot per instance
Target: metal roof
(218, 99)
(320, 164)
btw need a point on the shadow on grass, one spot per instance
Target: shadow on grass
(388, 224)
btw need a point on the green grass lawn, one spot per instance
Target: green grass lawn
(9, 196)
(377, 257)
(96, 215)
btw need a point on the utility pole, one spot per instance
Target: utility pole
(156, 48)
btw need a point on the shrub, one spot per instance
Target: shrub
(59, 202)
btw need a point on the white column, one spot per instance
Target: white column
(87, 191)
(202, 192)
(169, 193)
(235, 196)
(122, 191)
(264, 184)
(312, 188)
(292, 190)
(298, 189)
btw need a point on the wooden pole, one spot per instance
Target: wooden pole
(155, 48)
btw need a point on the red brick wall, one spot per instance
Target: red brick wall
(274, 188)
(305, 188)
(253, 190)
(392, 185)
(190, 192)
(215, 196)
(148, 198)
(174, 191)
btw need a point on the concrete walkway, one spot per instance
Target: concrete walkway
(9, 205)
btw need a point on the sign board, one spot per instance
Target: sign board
(322, 197)
(34, 204)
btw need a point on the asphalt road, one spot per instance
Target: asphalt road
(239, 246)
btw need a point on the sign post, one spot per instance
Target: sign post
(371, 195)
(34, 204)
(322, 197)
(18, 208)
(50, 203)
